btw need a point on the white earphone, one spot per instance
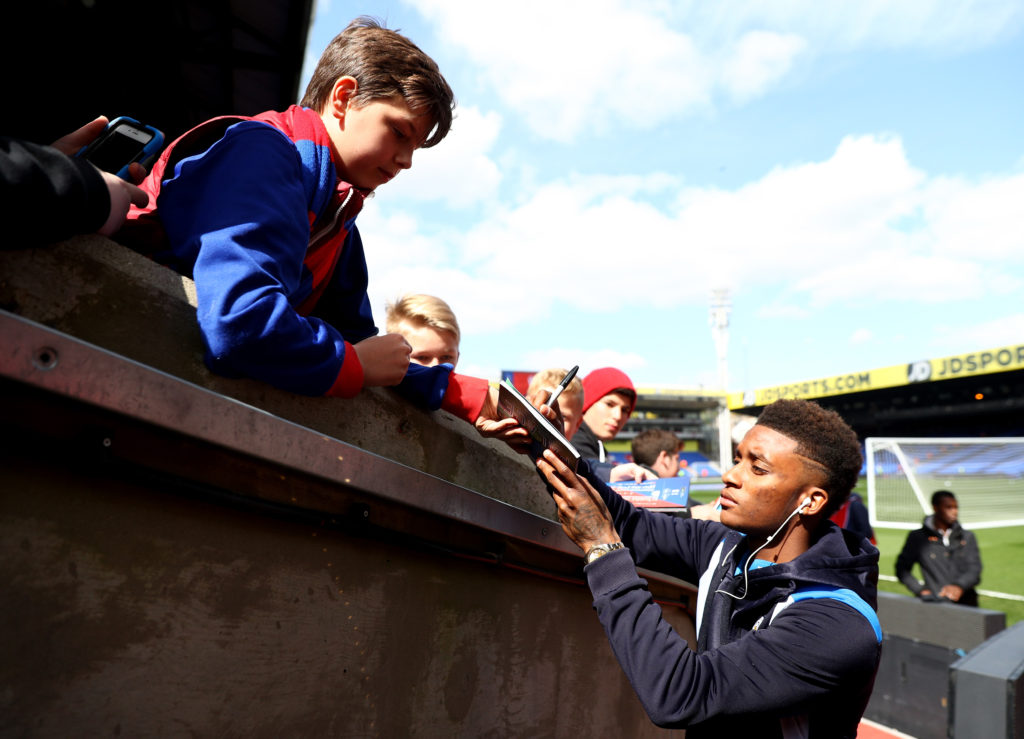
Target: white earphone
(750, 558)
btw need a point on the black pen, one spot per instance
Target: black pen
(562, 385)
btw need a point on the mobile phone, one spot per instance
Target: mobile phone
(122, 142)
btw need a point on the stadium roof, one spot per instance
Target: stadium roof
(990, 361)
(975, 394)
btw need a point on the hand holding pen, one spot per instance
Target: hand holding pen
(562, 386)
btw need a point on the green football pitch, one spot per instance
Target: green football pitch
(1002, 553)
(981, 497)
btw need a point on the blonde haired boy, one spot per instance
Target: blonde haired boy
(430, 327)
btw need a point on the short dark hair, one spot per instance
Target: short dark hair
(822, 436)
(648, 444)
(384, 63)
(938, 495)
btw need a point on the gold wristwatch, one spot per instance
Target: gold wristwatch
(600, 550)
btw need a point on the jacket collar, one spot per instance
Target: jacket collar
(836, 558)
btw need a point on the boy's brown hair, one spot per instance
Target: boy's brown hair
(649, 444)
(422, 310)
(385, 64)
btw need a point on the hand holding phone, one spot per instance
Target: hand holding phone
(122, 143)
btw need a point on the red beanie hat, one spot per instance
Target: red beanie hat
(606, 380)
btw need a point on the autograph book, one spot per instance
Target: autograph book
(543, 434)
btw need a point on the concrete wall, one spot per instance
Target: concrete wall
(174, 562)
(96, 290)
(135, 609)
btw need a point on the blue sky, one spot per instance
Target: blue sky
(853, 172)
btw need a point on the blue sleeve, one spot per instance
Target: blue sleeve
(239, 214)
(777, 669)
(602, 470)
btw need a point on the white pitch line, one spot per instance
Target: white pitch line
(987, 593)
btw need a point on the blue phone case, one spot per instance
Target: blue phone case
(148, 152)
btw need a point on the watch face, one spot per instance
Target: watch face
(602, 549)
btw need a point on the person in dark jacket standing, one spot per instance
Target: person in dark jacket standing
(788, 641)
(947, 554)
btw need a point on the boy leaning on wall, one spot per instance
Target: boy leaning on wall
(260, 212)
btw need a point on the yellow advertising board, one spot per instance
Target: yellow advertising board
(1002, 359)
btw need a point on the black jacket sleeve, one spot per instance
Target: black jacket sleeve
(46, 196)
(910, 554)
(586, 443)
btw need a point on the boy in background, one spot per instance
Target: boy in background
(428, 325)
(609, 401)
(260, 212)
(657, 450)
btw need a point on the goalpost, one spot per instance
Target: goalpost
(985, 474)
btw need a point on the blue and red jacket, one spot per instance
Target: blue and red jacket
(252, 209)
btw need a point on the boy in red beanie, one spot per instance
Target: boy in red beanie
(608, 401)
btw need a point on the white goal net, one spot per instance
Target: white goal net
(986, 475)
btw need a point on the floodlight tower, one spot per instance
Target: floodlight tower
(721, 306)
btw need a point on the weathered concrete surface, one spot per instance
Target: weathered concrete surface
(131, 609)
(160, 581)
(98, 291)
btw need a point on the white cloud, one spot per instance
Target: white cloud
(570, 67)
(759, 60)
(997, 332)
(956, 335)
(814, 234)
(587, 359)
(984, 215)
(774, 311)
(898, 276)
(459, 172)
(574, 65)
(845, 25)
(800, 219)
(861, 336)
(487, 371)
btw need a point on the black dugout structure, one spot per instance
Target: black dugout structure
(172, 63)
